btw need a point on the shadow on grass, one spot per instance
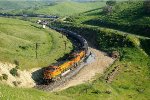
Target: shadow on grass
(145, 44)
(142, 30)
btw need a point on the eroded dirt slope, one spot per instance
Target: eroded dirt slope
(23, 80)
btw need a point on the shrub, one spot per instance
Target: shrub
(14, 72)
(5, 76)
(16, 62)
(96, 92)
(115, 54)
(16, 83)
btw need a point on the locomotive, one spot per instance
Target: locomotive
(60, 69)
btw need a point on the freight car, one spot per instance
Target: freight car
(59, 69)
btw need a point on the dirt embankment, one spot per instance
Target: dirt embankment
(102, 61)
(23, 80)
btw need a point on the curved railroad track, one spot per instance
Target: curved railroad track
(54, 84)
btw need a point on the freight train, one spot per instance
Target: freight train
(60, 69)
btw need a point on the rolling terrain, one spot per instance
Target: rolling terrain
(128, 77)
(122, 31)
(61, 8)
(18, 42)
(11, 5)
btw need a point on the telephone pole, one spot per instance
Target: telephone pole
(36, 48)
(65, 44)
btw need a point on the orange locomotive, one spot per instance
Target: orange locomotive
(54, 72)
(57, 70)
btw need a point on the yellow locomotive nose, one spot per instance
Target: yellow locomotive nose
(49, 72)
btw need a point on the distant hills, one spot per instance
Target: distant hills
(49, 8)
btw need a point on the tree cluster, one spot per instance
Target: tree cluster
(109, 6)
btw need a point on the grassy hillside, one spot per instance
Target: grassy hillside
(126, 16)
(17, 42)
(9, 93)
(131, 79)
(63, 8)
(9, 5)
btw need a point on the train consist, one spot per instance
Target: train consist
(60, 69)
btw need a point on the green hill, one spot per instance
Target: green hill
(126, 16)
(18, 42)
(131, 79)
(21, 4)
(62, 8)
(69, 8)
(131, 82)
(7, 6)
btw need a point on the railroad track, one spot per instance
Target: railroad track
(69, 76)
(61, 81)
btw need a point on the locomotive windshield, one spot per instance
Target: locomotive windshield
(50, 68)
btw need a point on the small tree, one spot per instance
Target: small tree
(107, 9)
(109, 6)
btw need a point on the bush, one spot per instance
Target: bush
(14, 72)
(16, 83)
(5, 76)
(115, 54)
(16, 62)
(96, 92)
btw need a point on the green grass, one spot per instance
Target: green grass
(63, 8)
(17, 42)
(10, 5)
(127, 16)
(10, 93)
(132, 80)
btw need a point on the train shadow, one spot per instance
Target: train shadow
(37, 76)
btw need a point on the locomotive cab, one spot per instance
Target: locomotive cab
(48, 72)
